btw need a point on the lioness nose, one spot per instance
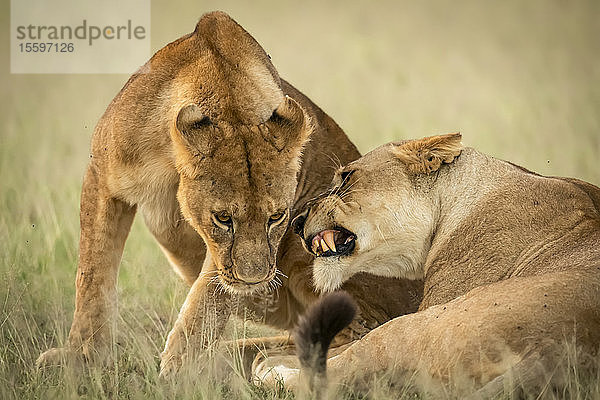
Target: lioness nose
(298, 223)
(253, 274)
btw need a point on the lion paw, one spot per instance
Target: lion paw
(55, 357)
(169, 366)
(277, 370)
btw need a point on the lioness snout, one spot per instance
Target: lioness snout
(254, 273)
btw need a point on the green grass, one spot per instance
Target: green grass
(520, 80)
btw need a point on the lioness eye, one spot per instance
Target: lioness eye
(345, 175)
(276, 217)
(223, 217)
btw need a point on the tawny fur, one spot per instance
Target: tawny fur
(510, 259)
(207, 125)
(424, 156)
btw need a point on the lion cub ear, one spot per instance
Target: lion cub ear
(195, 131)
(289, 126)
(426, 155)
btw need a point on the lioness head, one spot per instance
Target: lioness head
(238, 143)
(379, 216)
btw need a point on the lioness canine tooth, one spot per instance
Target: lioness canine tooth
(315, 247)
(329, 239)
(315, 244)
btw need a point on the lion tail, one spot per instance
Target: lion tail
(316, 329)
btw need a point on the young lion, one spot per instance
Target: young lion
(213, 149)
(510, 259)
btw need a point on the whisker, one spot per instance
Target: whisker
(204, 273)
(350, 186)
(381, 233)
(337, 163)
(278, 272)
(214, 280)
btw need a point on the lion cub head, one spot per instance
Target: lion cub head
(237, 142)
(380, 203)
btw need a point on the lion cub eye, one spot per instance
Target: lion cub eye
(276, 217)
(223, 218)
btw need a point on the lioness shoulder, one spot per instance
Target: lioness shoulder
(510, 261)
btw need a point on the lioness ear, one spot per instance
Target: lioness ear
(288, 126)
(426, 155)
(196, 131)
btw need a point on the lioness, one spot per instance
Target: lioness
(510, 259)
(217, 152)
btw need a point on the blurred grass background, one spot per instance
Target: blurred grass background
(519, 79)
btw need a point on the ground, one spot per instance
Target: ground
(520, 80)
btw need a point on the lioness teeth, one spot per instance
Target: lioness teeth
(324, 245)
(315, 246)
(348, 239)
(330, 240)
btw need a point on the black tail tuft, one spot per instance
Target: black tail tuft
(318, 327)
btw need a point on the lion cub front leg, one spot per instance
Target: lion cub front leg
(200, 323)
(105, 223)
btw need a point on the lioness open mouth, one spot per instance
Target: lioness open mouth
(332, 242)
